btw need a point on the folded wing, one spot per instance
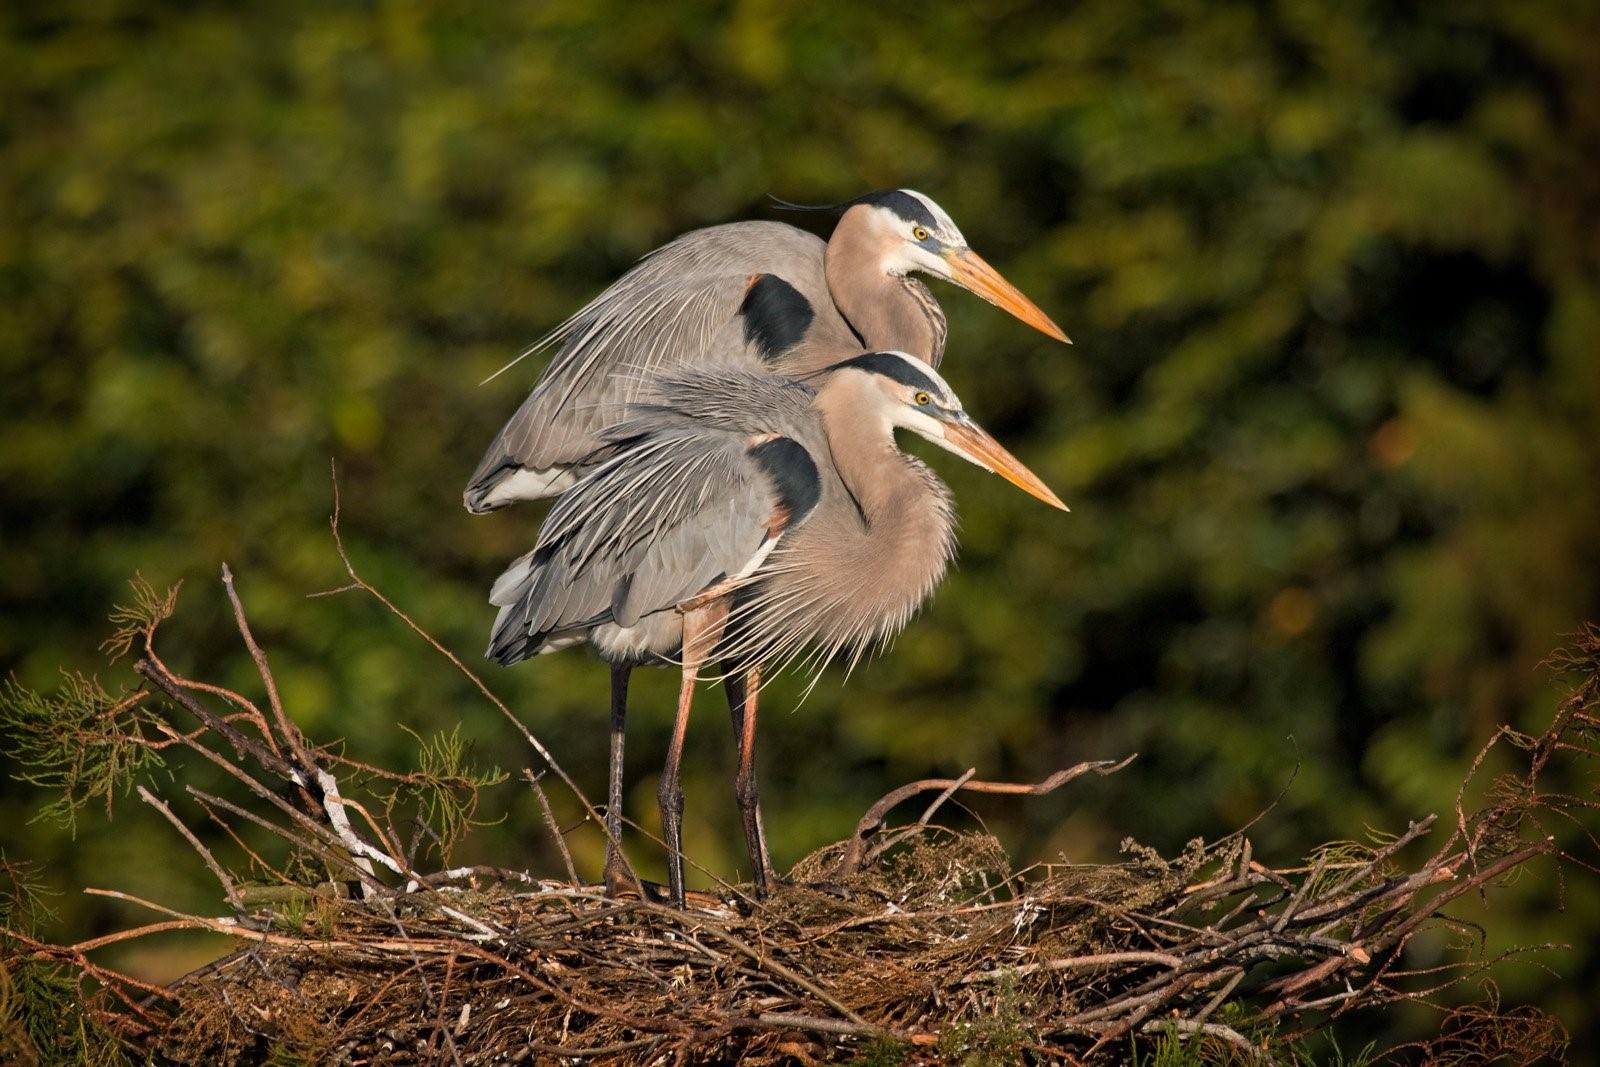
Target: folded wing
(682, 509)
(677, 307)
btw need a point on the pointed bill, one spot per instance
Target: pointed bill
(971, 441)
(971, 272)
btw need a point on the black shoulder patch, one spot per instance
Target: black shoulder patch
(902, 204)
(776, 316)
(896, 367)
(793, 474)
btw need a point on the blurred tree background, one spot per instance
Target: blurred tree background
(1328, 430)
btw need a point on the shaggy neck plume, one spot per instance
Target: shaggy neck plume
(855, 573)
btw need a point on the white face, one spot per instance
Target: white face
(924, 409)
(917, 244)
(911, 394)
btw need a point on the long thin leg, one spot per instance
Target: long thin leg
(619, 718)
(744, 687)
(670, 793)
(702, 629)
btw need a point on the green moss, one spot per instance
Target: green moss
(881, 1052)
(996, 1038)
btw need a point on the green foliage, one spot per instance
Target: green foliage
(24, 896)
(1327, 428)
(1168, 1047)
(44, 1018)
(79, 742)
(282, 1056)
(135, 621)
(881, 1052)
(445, 789)
(297, 913)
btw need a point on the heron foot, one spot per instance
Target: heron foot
(625, 888)
(616, 882)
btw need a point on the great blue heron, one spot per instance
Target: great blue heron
(747, 517)
(813, 305)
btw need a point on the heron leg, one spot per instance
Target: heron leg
(744, 687)
(702, 629)
(614, 874)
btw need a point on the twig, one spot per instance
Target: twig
(938, 801)
(1075, 963)
(228, 888)
(822, 1026)
(641, 1044)
(357, 582)
(556, 835)
(286, 727)
(850, 861)
(332, 806)
(242, 744)
(767, 962)
(321, 844)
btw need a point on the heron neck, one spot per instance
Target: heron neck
(878, 476)
(889, 312)
(878, 543)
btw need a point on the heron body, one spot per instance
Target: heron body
(765, 295)
(785, 491)
(733, 514)
(643, 533)
(743, 516)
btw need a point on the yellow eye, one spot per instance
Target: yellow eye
(923, 400)
(920, 233)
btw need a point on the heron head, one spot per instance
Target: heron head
(913, 396)
(915, 235)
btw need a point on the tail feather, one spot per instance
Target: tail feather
(530, 595)
(513, 636)
(514, 583)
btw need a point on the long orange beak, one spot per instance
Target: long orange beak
(970, 440)
(971, 272)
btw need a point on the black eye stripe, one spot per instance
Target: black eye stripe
(904, 205)
(896, 368)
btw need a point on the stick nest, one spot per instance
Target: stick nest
(904, 945)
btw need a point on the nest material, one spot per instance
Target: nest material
(913, 945)
(939, 938)
(938, 953)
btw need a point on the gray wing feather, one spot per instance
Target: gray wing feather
(645, 531)
(676, 306)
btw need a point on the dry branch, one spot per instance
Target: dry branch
(872, 821)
